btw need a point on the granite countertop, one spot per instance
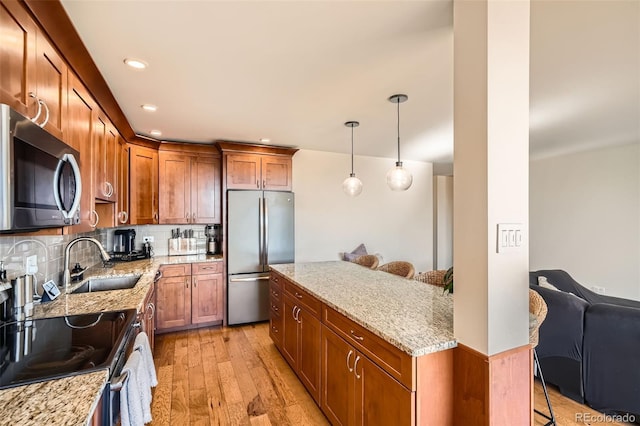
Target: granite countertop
(415, 317)
(72, 400)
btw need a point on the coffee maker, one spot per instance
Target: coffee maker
(213, 239)
(124, 241)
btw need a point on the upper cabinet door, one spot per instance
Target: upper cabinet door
(174, 179)
(143, 189)
(51, 77)
(276, 173)
(205, 190)
(17, 58)
(243, 171)
(122, 215)
(80, 111)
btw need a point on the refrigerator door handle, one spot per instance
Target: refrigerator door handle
(261, 234)
(266, 233)
(243, 280)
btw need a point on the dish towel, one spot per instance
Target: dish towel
(131, 412)
(142, 345)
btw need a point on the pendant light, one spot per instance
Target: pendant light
(399, 178)
(352, 186)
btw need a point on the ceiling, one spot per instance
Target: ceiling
(295, 71)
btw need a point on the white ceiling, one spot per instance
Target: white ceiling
(295, 71)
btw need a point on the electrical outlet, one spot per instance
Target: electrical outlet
(148, 239)
(31, 264)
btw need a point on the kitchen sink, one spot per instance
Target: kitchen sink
(106, 284)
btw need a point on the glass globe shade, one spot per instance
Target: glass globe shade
(399, 178)
(352, 186)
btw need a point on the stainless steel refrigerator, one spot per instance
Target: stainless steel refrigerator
(260, 231)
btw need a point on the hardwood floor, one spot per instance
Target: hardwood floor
(236, 376)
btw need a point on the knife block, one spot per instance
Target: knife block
(185, 246)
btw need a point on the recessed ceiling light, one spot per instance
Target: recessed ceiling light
(149, 107)
(265, 140)
(136, 63)
(156, 133)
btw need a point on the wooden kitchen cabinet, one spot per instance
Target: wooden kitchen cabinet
(143, 185)
(32, 72)
(276, 300)
(18, 34)
(259, 171)
(78, 134)
(301, 342)
(148, 316)
(356, 391)
(189, 188)
(207, 297)
(189, 295)
(123, 209)
(105, 164)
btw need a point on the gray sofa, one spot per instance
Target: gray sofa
(590, 344)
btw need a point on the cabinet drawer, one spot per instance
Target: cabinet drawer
(179, 270)
(391, 359)
(312, 304)
(275, 291)
(276, 305)
(206, 268)
(275, 329)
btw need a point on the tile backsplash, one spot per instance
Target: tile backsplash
(50, 249)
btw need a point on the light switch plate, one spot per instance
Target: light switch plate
(509, 237)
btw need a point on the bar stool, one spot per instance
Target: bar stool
(538, 308)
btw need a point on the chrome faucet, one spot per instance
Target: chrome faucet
(66, 276)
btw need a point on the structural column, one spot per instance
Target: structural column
(492, 367)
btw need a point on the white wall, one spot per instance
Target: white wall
(585, 217)
(397, 225)
(443, 222)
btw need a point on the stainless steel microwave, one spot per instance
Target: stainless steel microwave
(40, 185)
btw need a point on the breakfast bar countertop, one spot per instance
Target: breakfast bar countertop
(415, 317)
(72, 400)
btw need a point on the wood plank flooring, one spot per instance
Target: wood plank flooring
(236, 376)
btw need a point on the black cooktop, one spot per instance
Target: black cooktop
(48, 348)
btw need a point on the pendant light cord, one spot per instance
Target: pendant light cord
(398, 102)
(352, 150)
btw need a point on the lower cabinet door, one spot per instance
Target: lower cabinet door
(173, 296)
(380, 399)
(206, 298)
(290, 332)
(309, 353)
(337, 398)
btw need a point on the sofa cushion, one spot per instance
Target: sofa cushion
(357, 252)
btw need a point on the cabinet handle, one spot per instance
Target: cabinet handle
(123, 216)
(186, 216)
(293, 313)
(298, 295)
(33, 95)
(153, 310)
(195, 282)
(186, 283)
(298, 316)
(95, 213)
(275, 308)
(355, 336)
(275, 330)
(275, 279)
(348, 357)
(264, 183)
(355, 367)
(155, 215)
(193, 216)
(257, 184)
(275, 294)
(109, 192)
(46, 108)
